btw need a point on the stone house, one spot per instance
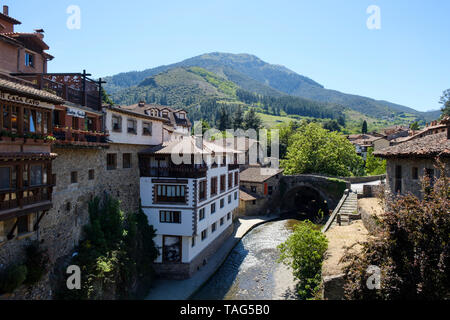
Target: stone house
(259, 188)
(410, 161)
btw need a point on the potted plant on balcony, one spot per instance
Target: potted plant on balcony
(49, 139)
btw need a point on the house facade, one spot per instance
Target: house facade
(191, 205)
(259, 188)
(409, 162)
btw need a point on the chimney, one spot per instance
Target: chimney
(6, 10)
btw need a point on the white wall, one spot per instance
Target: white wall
(185, 229)
(129, 138)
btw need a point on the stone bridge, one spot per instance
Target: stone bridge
(308, 194)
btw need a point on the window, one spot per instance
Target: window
(5, 182)
(222, 183)
(222, 221)
(73, 177)
(270, 190)
(127, 160)
(204, 234)
(235, 195)
(202, 190)
(132, 126)
(117, 123)
(213, 227)
(172, 249)
(224, 161)
(36, 175)
(229, 198)
(214, 186)
(230, 180)
(147, 129)
(29, 59)
(111, 161)
(201, 214)
(254, 202)
(229, 216)
(193, 242)
(182, 116)
(222, 203)
(170, 193)
(415, 173)
(213, 208)
(170, 216)
(253, 188)
(91, 174)
(236, 179)
(22, 225)
(75, 123)
(165, 115)
(398, 179)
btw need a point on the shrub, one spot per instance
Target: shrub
(36, 262)
(304, 252)
(12, 278)
(412, 249)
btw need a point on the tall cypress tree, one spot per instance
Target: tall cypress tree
(364, 127)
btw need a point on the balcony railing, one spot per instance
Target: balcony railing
(69, 135)
(17, 199)
(182, 171)
(73, 87)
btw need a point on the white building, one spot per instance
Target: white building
(190, 205)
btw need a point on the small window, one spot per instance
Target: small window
(29, 59)
(91, 174)
(111, 161)
(415, 173)
(213, 208)
(236, 179)
(127, 160)
(230, 181)
(204, 234)
(147, 129)
(202, 190)
(132, 126)
(170, 217)
(213, 227)
(222, 221)
(74, 177)
(270, 190)
(22, 225)
(201, 214)
(117, 123)
(214, 186)
(229, 216)
(229, 198)
(254, 202)
(235, 195)
(222, 183)
(5, 178)
(222, 203)
(253, 189)
(193, 242)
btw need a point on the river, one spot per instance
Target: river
(251, 271)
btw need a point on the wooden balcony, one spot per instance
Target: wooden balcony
(69, 136)
(73, 87)
(182, 171)
(14, 203)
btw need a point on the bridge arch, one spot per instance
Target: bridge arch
(307, 194)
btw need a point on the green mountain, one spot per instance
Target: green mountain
(249, 73)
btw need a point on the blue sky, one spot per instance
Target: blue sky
(407, 61)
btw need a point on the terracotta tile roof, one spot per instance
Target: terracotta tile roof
(174, 121)
(428, 146)
(259, 174)
(9, 19)
(137, 111)
(246, 196)
(35, 36)
(20, 87)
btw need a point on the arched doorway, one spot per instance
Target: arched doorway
(305, 201)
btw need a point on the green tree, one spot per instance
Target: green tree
(445, 101)
(224, 122)
(304, 252)
(332, 125)
(364, 129)
(411, 248)
(313, 149)
(252, 120)
(238, 119)
(106, 99)
(374, 166)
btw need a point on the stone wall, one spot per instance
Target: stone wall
(182, 271)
